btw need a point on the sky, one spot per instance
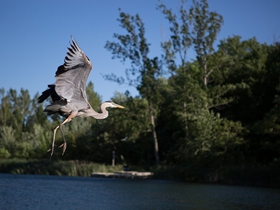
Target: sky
(35, 34)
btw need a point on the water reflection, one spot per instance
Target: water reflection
(53, 192)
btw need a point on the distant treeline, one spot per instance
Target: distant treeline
(219, 110)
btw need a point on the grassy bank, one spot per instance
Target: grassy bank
(65, 168)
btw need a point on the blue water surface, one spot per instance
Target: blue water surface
(60, 192)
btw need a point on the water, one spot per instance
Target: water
(54, 192)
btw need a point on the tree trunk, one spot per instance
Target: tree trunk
(154, 133)
(185, 119)
(205, 80)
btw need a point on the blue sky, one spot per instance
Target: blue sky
(35, 34)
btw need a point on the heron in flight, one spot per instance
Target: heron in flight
(68, 93)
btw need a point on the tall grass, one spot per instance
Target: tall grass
(66, 168)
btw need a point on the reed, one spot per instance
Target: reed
(65, 168)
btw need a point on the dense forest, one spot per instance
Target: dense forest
(220, 109)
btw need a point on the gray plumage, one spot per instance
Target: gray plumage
(68, 93)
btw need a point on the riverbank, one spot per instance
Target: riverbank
(60, 168)
(246, 175)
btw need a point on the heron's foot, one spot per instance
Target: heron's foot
(64, 145)
(51, 151)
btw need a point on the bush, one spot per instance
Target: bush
(4, 153)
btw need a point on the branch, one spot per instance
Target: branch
(220, 104)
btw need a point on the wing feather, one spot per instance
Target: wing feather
(71, 78)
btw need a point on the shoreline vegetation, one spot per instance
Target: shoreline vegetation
(250, 175)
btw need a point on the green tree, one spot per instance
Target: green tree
(206, 26)
(144, 71)
(198, 87)
(33, 143)
(36, 115)
(7, 139)
(5, 109)
(252, 69)
(93, 98)
(131, 130)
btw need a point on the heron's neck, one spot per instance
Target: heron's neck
(104, 113)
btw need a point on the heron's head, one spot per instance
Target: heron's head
(112, 104)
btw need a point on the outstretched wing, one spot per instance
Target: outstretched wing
(71, 77)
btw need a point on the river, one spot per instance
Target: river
(60, 192)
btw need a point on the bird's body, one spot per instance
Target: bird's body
(68, 94)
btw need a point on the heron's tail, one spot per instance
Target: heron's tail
(49, 92)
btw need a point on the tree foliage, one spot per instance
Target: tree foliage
(144, 72)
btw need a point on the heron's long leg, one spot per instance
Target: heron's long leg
(68, 119)
(65, 143)
(54, 133)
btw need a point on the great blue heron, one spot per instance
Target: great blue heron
(68, 93)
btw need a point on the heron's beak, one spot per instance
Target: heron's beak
(119, 106)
